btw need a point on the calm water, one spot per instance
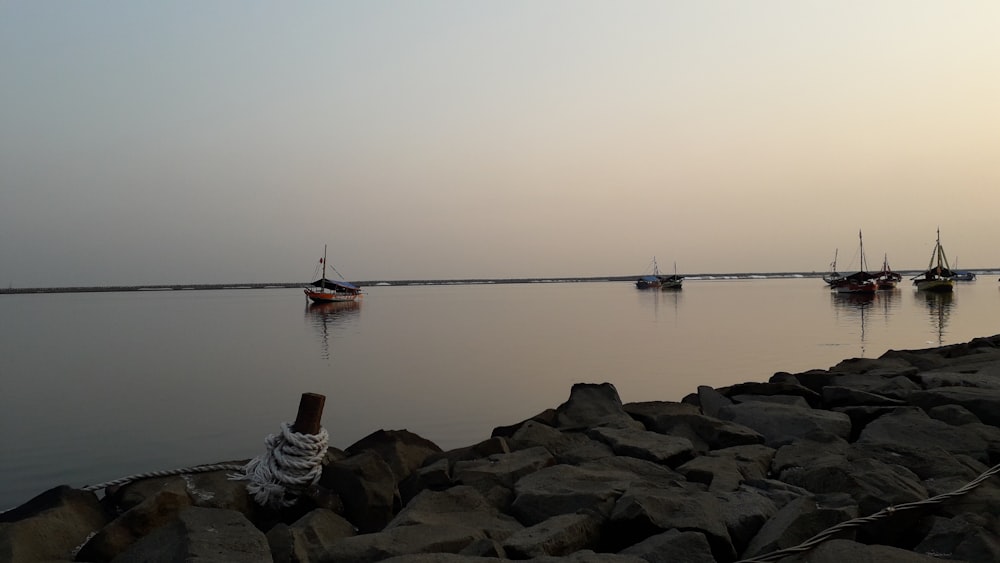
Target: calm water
(98, 386)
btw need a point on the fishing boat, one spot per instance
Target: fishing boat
(832, 276)
(938, 277)
(963, 276)
(671, 282)
(859, 282)
(887, 279)
(331, 291)
(653, 281)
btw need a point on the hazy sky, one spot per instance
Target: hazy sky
(223, 141)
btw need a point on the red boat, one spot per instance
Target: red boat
(331, 291)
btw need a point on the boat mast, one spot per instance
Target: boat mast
(324, 267)
(864, 267)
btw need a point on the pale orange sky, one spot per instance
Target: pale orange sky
(193, 142)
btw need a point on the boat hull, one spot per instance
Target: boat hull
(327, 297)
(936, 286)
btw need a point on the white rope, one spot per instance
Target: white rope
(292, 463)
(166, 473)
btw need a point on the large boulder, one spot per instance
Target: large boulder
(201, 534)
(306, 539)
(367, 486)
(984, 403)
(50, 526)
(679, 419)
(403, 450)
(781, 424)
(800, 520)
(134, 524)
(591, 405)
(673, 546)
(560, 535)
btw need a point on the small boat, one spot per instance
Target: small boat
(671, 282)
(887, 279)
(963, 276)
(938, 277)
(653, 281)
(860, 282)
(331, 291)
(832, 276)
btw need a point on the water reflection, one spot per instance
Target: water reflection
(327, 317)
(668, 298)
(856, 306)
(939, 307)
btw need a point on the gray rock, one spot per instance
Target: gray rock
(305, 540)
(677, 419)
(744, 513)
(917, 430)
(403, 450)
(643, 444)
(367, 486)
(596, 485)
(986, 379)
(567, 447)
(435, 476)
(643, 511)
(842, 551)
(725, 469)
(560, 535)
(673, 546)
(202, 535)
(814, 450)
(789, 400)
(928, 463)
(775, 388)
(711, 400)
(955, 415)
(984, 403)
(966, 537)
(590, 405)
(50, 526)
(459, 506)
(800, 520)
(133, 524)
(873, 484)
(495, 475)
(777, 492)
(781, 424)
(839, 396)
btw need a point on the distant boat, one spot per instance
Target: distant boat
(650, 281)
(887, 279)
(671, 282)
(331, 291)
(859, 282)
(938, 277)
(960, 275)
(832, 276)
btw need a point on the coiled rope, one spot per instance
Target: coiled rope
(291, 463)
(885, 512)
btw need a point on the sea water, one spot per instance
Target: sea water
(97, 386)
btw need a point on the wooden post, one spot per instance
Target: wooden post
(308, 420)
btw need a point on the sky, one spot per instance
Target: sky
(229, 141)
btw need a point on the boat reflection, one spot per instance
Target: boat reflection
(939, 307)
(856, 305)
(327, 317)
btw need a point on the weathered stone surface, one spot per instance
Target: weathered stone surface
(590, 405)
(984, 403)
(50, 526)
(643, 444)
(768, 388)
(203, 535)
(818, 449)
(135, 523)
(781, 424)
(642, 512)
(744, 513)
(966, 537)
(725, 469)
(955, 415)
(800, 520)
(678, 419)
(985, 379)
(560, 535)
(843, 551)
(673, 546)
(927, 463)
(789, 400)
(915, 429)
(566, 447)
(435, 476)
(564, 489)
(305, 540)
(403, 450)
(710, 400)
(494, 476)
(459, 506)
(873, 484)
(838, 396)
(367, 486)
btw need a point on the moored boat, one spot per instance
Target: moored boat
(887, 279)
(833, 276)
(938, 277)
(331, 291)
(653, 281)
(961, 275)
(859, 282)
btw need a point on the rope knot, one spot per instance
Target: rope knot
(291, 463)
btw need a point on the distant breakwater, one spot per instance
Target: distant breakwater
(371, 283)
(883, 459)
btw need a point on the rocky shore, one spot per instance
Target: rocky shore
(728, 474)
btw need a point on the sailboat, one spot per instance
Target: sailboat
(938, 276)
(331, 291)
(859, 282)
(887, 279)
(671, 282)
(832, 276)
(653, 281)
(960, 275)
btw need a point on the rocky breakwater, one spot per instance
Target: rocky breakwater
(734, 473)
